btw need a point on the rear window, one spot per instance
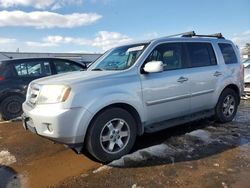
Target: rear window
(201, 54)
(228, 53)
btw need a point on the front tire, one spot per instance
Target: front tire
(11, 107)
(111, 135)
(227, 106)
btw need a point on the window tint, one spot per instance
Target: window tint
(170, 54)
(228, 53)
(201, 54)
(31, 69)
(65, 66)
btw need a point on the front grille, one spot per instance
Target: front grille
(33, 94)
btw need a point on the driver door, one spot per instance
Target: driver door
(166, 94)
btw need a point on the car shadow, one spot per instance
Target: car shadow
(151, 139)
(9, 177)
(186, 147)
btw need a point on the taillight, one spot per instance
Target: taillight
(2, 78)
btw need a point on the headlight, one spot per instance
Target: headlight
(53, 94)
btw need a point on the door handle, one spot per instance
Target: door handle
(182, 79)
(217, 73)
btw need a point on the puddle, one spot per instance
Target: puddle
(9, 178)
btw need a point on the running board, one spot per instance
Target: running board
(178, 121)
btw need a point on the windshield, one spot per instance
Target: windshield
(119, 58)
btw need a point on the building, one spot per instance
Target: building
(80, 57)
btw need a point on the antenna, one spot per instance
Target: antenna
(10, 57)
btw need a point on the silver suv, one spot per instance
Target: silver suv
(136, 88)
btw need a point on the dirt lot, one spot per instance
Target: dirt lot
(198, 154)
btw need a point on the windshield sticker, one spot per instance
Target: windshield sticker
(137, 48)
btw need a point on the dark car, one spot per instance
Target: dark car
(16, 74)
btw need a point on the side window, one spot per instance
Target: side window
(32, 69)
(47, 69)
(171, 54)
(65, 66)
(201, 54)
(228, 53)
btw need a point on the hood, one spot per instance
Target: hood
(74, 77)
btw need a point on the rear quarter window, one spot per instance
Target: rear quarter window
(228, 53)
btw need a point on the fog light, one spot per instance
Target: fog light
(49, 127)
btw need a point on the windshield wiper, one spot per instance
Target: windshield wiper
(97, 69)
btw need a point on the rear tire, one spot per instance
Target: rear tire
(111, 134)
(227, 106)
(11, 107)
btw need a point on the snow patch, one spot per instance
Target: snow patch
(201, 134)
(160, 151)
(6, 158)
(3, 122)
(102, 168)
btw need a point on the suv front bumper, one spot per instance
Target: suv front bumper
(55, 123)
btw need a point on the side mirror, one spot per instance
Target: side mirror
(153, 66)
(84, 65)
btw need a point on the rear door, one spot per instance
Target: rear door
(204, 74)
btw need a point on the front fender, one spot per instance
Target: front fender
(97, 104)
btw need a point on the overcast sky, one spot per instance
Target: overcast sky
(97, 25)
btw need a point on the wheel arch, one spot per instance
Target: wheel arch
(129, 108)
(11, 93)
(235, 88)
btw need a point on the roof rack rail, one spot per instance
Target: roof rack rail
(189, 33)
(193, 34)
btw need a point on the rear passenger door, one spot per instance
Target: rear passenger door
(204, 75)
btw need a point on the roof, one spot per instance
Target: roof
(36, 58)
